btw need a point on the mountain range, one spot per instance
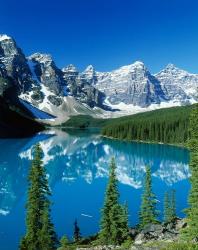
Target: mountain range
(50, 94)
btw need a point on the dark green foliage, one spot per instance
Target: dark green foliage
(64, 241)
(77, 234)
(148, 213)
(191, 232)
(22, 244)
(40, 233)
(166, 207)
(114, 222)
(169, 206)
(165, 125)
(84, 121)
(173, 205)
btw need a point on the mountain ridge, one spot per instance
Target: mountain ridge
(67, 92)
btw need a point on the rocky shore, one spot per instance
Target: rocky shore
(147, 238)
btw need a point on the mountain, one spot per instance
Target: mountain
(132, 84)
(81, 87)
(52, 95)
(178, 85)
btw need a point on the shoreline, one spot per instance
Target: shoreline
(147, 142)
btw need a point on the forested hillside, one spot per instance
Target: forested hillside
(165, 125)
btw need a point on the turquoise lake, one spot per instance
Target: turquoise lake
(77, 169)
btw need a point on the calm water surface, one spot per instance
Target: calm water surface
(77, 167)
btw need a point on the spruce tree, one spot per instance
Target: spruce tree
(64, 243)
(173, 212)
(148, 213)
(191, 232)
(114, 221)
(169, 206)
(40, 233)
(77, 234)
(47, 237)
(166, 207)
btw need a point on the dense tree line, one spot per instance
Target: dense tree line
(164, 125)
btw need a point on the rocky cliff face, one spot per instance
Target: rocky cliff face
(49, 84)
(178, 85)
(132, 84)
(89, 75)
(14, 64)
(82, 87)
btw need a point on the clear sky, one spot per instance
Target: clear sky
(106, 33)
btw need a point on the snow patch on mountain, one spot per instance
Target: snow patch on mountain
(37, 113)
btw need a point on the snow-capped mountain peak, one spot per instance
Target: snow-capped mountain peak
(132, 84)
(4, 37)
(70, 68)
(89, 68)
(89, 75)
(173, 70)
(138, 64)
(178, 84)
(131, 68)
(170, 66)
(41, 58)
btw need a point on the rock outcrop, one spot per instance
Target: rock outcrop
(160, 232)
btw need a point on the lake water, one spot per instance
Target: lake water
(77, 167)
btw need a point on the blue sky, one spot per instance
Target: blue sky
(107, 34)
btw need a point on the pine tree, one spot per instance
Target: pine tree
(40, 233)
(64, 243)
(148, 213)
(191, 232)
(169, 206)
(114, 221)
(166, 207)
(77, 234)
(47, 235)
(173, 214)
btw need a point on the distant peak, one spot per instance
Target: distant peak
(171, 69)
(70, 68)
(41, 57)
(4, 37)
(138, 63)
(90, 68)
(171, 66)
